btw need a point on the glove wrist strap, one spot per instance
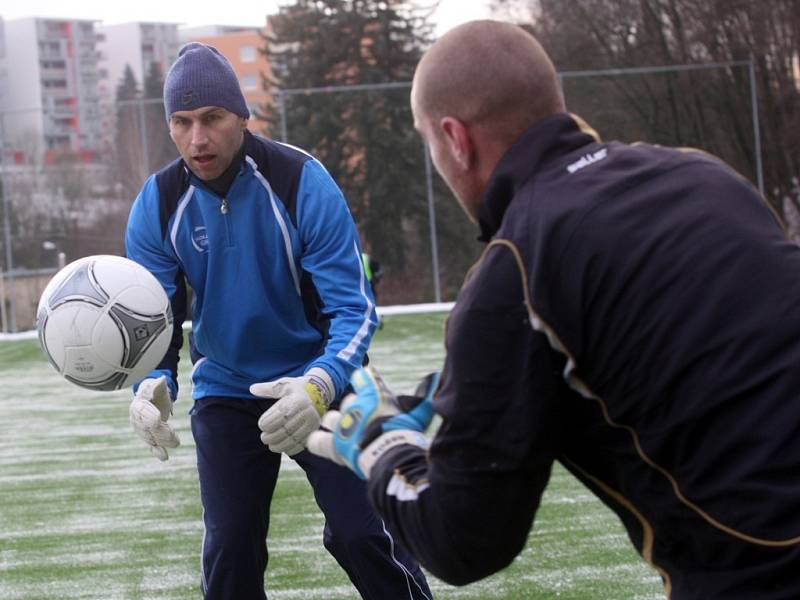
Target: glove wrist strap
(320, 379)
(385, 442)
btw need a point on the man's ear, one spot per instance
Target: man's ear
(459, 141)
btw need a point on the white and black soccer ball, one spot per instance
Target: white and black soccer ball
(104, 322)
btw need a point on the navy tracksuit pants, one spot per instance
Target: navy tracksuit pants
(237, 478)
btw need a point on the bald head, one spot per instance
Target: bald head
(487, 73)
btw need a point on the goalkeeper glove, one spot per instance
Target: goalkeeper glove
(372, 421)
(301, 402)
(149, 411)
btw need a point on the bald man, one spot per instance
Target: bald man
(635, 316)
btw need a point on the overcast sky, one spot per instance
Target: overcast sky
(197, 12)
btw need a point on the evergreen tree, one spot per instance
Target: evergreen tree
(126, 143)
(160, 149)
(127, 89)
(365, 136)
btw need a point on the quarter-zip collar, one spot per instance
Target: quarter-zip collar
(538, 145)
(222, 184)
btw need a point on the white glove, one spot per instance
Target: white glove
(301, 402)
(150, 409)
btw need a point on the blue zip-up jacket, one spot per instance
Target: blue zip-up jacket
(274, 267)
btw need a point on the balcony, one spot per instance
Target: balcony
(56, 94)
(51, 52)
(53, 73)
(58, 130)
(61, 112)
(46, 32)
(93, 56)
(55, 88)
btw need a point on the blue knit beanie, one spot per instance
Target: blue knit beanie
(202, 77)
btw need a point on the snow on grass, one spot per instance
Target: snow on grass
(87, 513)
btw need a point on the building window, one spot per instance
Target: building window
(247, 54)
(250, 82)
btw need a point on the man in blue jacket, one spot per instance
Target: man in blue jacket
(635, 316)
(282, 314)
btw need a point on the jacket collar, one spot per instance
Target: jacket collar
(538, 145)
(248, 143)
(226, 179)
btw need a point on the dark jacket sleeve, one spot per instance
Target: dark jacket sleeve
(464, 510)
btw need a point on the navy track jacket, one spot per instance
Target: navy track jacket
(277, 280)
(635, 316)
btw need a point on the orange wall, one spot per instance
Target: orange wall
(230, 45)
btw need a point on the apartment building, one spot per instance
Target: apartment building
(141, 46)
(242, 47)
(53, 105)
(5, 151)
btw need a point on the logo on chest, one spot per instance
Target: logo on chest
(200, 238)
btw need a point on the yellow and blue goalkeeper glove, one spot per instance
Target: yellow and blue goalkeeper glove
(372, 421)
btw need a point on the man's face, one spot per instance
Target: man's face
(208, 138)
(460, 181)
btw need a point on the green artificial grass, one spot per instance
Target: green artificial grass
(86, 512)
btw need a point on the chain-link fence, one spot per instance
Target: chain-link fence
(58, 205)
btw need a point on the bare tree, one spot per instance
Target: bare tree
(710, 109)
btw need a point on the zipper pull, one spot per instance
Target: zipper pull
(223, 208)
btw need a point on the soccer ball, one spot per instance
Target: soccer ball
(104, 322)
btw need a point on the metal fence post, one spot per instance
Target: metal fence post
(756, 130)
(11, 320)
(3, 319)
(143, 138)
(432, 224)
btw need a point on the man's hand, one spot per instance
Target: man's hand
(372, 421)
(301, 403)
(149, 411)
